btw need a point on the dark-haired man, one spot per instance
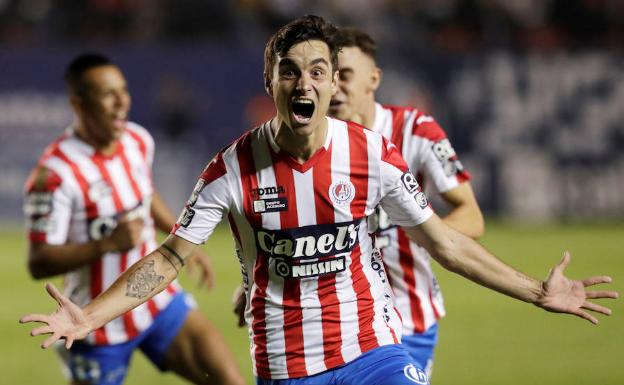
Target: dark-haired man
(92, 213)
(317, 305)
(430, 156)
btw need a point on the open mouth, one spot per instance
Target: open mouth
(302, 110)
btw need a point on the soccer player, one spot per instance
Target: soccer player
(430, 156)
(92, 211)
(296, 192)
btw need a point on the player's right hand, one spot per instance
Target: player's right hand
(239, 302)
(68, 321)
(127, 235)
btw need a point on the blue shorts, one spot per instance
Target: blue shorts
(108, 364)
(385, 365)
(421, 346)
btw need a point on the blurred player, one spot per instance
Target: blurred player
(296, 192)
(91, 212)
(430, 156)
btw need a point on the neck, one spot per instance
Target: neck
(105, 148)
(366, 116)
(299, 144)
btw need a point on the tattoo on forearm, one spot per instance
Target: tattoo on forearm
(143, 281)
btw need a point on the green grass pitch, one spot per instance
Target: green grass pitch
(486, 338)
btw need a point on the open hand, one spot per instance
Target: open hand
(68, 321)
(202, 261)
(563, 295)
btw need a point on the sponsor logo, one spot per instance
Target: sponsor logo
(295, 269)
(415, 374)
(38, 203)
(421, 199)
(342, 193)
(271, 190)
(410, 182)
(309, 242)
(199, 186)
(448, 157)
(186, 217)
(270, 205)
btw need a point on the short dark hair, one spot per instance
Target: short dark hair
(307, 27)
(81, 64)
(354, 37)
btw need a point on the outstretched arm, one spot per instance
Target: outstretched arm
(462, 255)
(140, 282)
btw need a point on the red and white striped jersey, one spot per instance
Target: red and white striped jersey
(316, 291)
(429, 154)
(76, 195)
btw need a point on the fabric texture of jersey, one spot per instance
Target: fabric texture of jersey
(316, 292)
(76, 195)
(430, 156)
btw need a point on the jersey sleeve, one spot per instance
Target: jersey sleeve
(401, 196)
(47, 207)
(435, 155)
(209, 203)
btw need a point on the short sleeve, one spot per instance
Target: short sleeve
(208, 205)
(47, 207)
(402, 198)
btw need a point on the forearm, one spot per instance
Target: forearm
(140, 282)
(164, 219)
(467, 220)
(49, 260)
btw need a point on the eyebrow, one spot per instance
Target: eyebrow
(287, 61)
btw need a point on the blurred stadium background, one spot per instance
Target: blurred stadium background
(531, 93)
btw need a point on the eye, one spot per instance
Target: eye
(345, 76)
(317, 73)
(288, 73)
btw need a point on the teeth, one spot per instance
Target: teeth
(303, 101)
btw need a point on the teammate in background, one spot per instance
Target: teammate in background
(91, 212)
(430, 156)
(296, 192)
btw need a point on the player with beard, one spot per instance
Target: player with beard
(92, 212)
(296, 192)
(430, 156)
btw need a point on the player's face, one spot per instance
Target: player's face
(104, 105)
(302, 86)
(358, 79)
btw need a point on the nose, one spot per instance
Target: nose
(304, 83)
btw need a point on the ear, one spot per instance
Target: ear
(376, 77)
(268, 87)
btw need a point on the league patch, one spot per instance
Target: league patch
(447, 157)
(410, 182)
(199, 186)
(186, 217)
(270, 205)
(342, 193)
(415, 374)
(421, 199)
(38, 203)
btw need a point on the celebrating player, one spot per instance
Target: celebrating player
(91, 212)
(296, 192)
(430, 156)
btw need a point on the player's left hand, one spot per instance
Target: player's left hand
(563, 295)
(200, 260)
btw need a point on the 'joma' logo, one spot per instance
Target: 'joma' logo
(271, 190)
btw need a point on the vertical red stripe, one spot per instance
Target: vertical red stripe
(433, 306)
(140, 142)
(406, 260)
(365, 303)
(398, 120)
(327, 294)
(291, 296)
(92, 212)
(249, 181)
(128, 170)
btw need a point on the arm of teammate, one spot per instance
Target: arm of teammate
(47, 260)
(465, 215)
(146, 278)
(462, 255)
(164, 221)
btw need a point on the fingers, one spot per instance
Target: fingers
(54, 293)
(596, 280)
(68, 343)
(563, 263)
(50, 340)
(46, 329)
(601, 294)
(597, 308)
(34, 318)
(585, 315)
